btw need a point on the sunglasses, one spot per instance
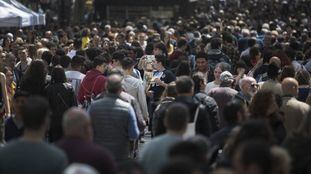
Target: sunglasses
(254, 85)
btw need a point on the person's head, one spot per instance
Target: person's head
(47, 57)
(128, 64)
(176, 118)
(287, 71)
(117, 57)
(184, 85)
(273, 71)
(77, 63)
(19, 100)
(253, 157)
(77, 123)
(170, 90)
(180, 166)
(201, 62)
(64, 61)
(159, 48)
(263, 104)
(183, 68)
(23, 54)
(248, 86)
(215, 43)
(251, 42)
(235, 112)
(281, 160)
(226, 79)
(159, 63)
(58, 75)
(303, 77)
(36, 72)
(290, 86)
(255, 55)
(77, 168)
(182, 44)
(35, 114)
(276, 61)
(188, 150)
(219, 68)
(100, 63)
(199, 82)
(8, 74)
(77, 44)
(114, 84)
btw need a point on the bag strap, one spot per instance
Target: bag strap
(62, 99)
(196, 114)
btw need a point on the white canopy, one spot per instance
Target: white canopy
(12, 16)
(37, 18)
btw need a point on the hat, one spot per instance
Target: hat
(226, 76)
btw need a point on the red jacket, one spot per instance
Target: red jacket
(92, 84)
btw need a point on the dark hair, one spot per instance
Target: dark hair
(34, 112)
(253, 52)
(215, 43)
(91, 53)
(149, 48)
(127, 63)
(288, 71)
(261, 102)
(197, 78)
(64, 61)
(170, 90)
(58, 75)
(176, 117)
(273, 71)
(189, 150)
(118, 55)
(47, 56)
(162, 59)
(34, 79)
(77, 61)
(303, 77)
(183, 69)
(130, 167)
(258, 153)
(184, 84)
(161, 46)
(179, 166)
(98, 60)
(181, 42)
(77, 44)
(201, 55)
(251, 42)
(230, 111)
(20, 93)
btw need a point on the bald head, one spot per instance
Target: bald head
(276, 61)
(77, 123)
(114, 85)
(290, 86)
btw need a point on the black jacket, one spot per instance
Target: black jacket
(61, 97)
(207, 122)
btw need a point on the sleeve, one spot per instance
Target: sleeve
(142, 101)
(132, 124)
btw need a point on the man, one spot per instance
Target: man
(114, 121)
(134, 86)
(30, 154)
(117, 58)
(294, 110)
(77, 45)
(201, 64)
(223, 94)
(77, 143)
(94, 80)
(249, 88)
(234, 113)
(155, 154)
(21, 66)
(74, 76)
(272, 84)
(207, 121)
(14, 126)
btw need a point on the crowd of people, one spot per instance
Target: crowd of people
(217, 93)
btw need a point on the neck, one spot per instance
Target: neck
(175, 133)
(128, 72)
(161, 69)
(217, 82)
(33, 136)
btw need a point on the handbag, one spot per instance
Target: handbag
(190, 131)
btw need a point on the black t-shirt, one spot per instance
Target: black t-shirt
(167, 77)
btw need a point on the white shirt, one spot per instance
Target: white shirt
(75, 78)
(210, 86)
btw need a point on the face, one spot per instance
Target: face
(101, 68)
(217, 73)
(18, 103)
(251, 88)
(9, 77)
(141, 37)
(22, 54)
(157, 51)
(115, 63)
(156, 65)
(201, 64)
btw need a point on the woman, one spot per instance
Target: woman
(10, 84)
(303, 78)
(5, 108)
(61, 97)
(219, 68)
(298, 145)
(34, 80)
(265, 106)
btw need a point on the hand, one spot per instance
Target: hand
(159, 82)
(149, 93)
